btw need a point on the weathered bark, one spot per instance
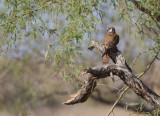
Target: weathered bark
(114, 54)
(84, 92)
(121, 69)
(129, 79)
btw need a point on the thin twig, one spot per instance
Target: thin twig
(124, 91)
(145, 10)
(119, 98)
(135, 22)
(139, 54)
(148, 67)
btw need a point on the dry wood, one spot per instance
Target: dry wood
(121, 69)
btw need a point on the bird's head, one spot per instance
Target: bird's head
(111, 29)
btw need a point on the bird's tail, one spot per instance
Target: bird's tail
(105, 58)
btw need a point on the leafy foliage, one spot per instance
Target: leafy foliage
(143, 18)
(62, 22)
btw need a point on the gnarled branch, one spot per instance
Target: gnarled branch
(121, 69)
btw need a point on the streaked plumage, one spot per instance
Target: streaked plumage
(110, 41)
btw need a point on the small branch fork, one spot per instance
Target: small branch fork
(121, 69)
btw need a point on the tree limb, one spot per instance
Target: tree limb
(125, 90)
(121, 69)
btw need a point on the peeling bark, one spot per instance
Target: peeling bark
(121, 69)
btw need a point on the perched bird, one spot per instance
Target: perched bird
(110, 41)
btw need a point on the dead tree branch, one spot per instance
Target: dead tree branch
(84, 92)
(121, 69)
(125, 90)
(139, 76)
